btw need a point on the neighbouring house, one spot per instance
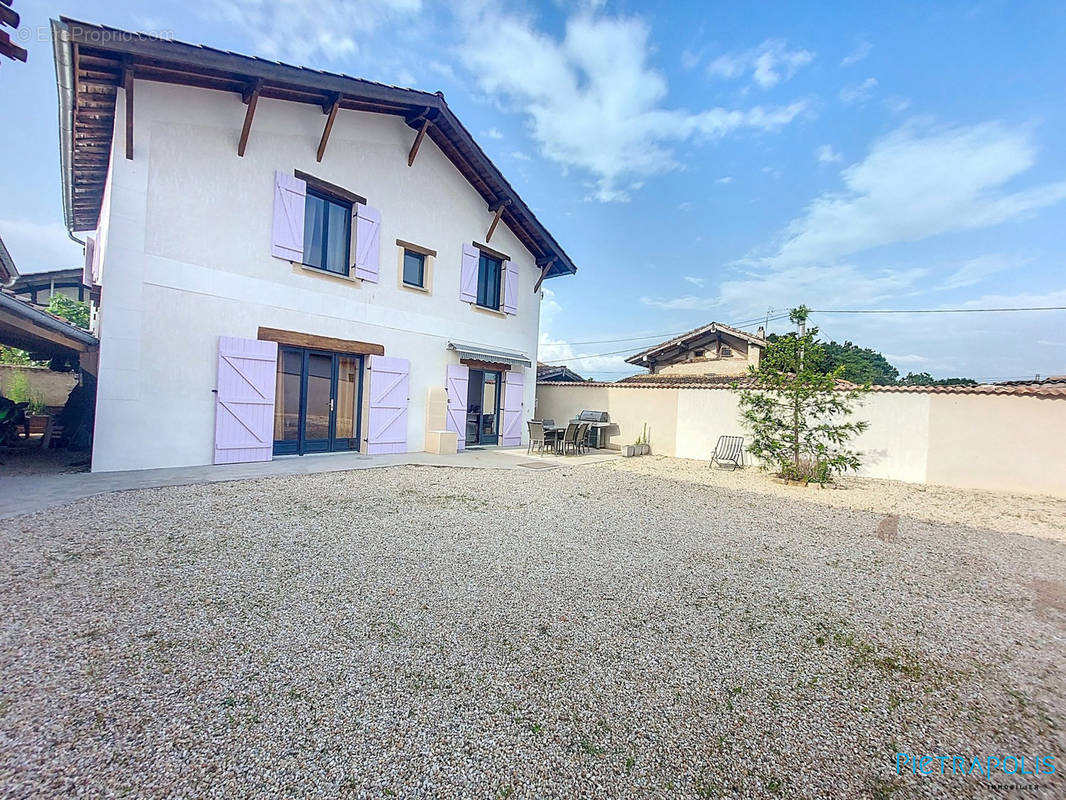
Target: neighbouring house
(38, 287)
(711, 350)
(288, 261)
(550, 373)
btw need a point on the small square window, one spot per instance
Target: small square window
(488, 282)
(725, 352)
(414, 269)
(327, 233)
(700, 353)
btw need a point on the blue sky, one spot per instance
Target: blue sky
(698, 161)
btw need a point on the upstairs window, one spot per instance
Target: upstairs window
(327, 232)
(726, 352)
(488, 282)
(414, 269)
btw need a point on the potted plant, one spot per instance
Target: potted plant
(37, 414)
(642, 442)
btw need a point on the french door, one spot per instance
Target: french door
(316, 405)
(483, 407)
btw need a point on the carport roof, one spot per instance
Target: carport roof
(22, 325)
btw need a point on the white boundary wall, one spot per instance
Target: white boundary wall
(1001, 442)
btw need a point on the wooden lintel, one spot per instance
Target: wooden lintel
(127, 83)
(418, 142)
(543, 274)
(251, 98)
(329, 127)
(495, 220)
(495, 366)
(313, 342)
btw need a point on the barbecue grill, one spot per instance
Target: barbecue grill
(598, 422)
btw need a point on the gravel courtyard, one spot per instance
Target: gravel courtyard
(581, 632)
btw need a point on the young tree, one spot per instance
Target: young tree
(796, 414)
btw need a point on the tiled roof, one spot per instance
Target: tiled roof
(695, 333)
(1048, 389)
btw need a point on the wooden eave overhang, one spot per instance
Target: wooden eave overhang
(666, 352)
(91, 63)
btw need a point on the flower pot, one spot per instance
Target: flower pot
(645, 449)
(629, 450)
(38, 422)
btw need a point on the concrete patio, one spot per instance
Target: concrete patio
(26, 494)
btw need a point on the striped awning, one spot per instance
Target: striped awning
(480, 352)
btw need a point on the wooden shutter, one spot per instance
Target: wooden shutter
(458, 381)
(513, 401)
(244, 400)
(290, 195)
(468, 274)
(510, 287)
(387, 424)
(367, 243)
(90, 253)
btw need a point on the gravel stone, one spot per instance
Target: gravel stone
(596, 631)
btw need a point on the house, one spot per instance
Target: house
(38, 287)
(711, 350)
(549, 373)
(286, 261)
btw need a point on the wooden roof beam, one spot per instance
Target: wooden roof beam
(545, 268)
(498, 209)
(331, 110)
(251, 99)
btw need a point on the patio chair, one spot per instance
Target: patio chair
(538, 437)
(582, 436)
(729, 450)
(569, 440)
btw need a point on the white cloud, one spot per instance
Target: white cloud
(862, 49)
(494, 133)
(978, 269)
(518, 155)
(859, 93)
(827, 155)
(724, 180)
(685, 205)
(769, 63)
(916, 183)
(592, 101)
(40, 246)
(584, 361)
(897, 104)
(310, 29)
(695, 281)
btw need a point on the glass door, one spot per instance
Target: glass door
(483, 407)
(317, 401)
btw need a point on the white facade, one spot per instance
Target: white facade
(185, 257)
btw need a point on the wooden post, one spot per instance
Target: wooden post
(418, 143)
(251, 97)
(495, 221)
(329, 127)
(543, 273)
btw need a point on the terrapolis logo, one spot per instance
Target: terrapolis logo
(985, 766)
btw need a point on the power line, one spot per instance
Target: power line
(636, 349)
(934, 310)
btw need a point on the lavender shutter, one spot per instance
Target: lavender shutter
(387, 424)
(90, 253)
(513, 397)
(290, 195)
(468, 274)
(510, 287)
(244, 400)
(367, 243)
(458, 381)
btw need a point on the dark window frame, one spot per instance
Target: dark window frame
(489, 288)
(421, 269)
(345, 204)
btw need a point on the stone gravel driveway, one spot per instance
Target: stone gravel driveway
(582, 632)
